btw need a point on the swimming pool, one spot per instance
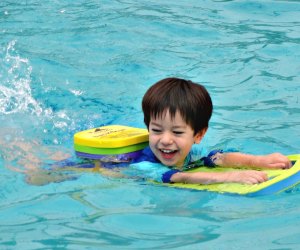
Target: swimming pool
(66, 66)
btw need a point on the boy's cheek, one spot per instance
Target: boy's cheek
(152, 139)
(152, 147)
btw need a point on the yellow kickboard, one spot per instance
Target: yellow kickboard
(112, 136)
(279, 180)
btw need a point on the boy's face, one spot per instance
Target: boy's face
(171, 139)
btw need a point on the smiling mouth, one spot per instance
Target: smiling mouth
(168, 153)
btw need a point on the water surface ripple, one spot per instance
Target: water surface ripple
(66, 66)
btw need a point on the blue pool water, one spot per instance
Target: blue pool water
(67, 66)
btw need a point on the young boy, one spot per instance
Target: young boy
(177, 113)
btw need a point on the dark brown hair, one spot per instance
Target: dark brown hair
(173, 94)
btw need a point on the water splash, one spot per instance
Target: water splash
(15, 80)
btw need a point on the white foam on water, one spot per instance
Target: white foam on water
(15, 83)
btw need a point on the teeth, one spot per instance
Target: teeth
(167, 151)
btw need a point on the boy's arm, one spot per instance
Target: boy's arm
(242, 176)
(273, 161)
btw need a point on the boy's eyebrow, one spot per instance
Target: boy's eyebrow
(178, 127)
(155, 124)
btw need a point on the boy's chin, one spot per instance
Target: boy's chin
(169, 163)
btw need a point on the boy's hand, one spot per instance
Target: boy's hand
(246, 176)
(273, 161)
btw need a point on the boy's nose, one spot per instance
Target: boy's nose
(166, 139)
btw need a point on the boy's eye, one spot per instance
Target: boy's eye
(178, 132)
(155, 130)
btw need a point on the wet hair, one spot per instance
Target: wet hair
(173, 94)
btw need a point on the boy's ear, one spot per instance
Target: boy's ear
(199, 136)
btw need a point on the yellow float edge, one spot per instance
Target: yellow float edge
(112, 136)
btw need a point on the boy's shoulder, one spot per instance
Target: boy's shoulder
(197, 151)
